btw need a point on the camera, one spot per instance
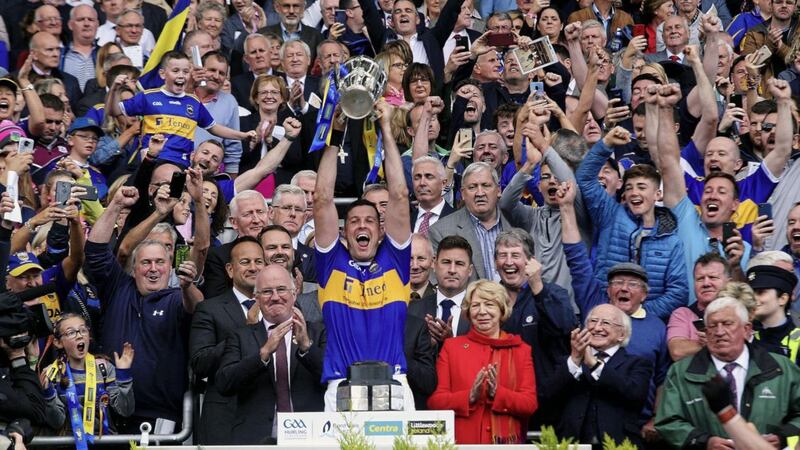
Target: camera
(19, 426)
(16, 318)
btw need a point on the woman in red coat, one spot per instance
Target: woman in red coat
(486, 376)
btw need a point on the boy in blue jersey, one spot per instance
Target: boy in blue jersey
(365, 285)
(171, 111)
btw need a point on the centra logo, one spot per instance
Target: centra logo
(388, 428)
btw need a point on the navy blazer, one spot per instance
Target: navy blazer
(617, 397)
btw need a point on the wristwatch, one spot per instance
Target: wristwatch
(27, 88)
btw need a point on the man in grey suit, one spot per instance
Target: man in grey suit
(214, 319)
(479, 221)
(676, 38)
(442, 309)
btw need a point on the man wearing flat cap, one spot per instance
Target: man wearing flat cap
(773, 329)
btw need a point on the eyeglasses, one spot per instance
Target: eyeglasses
(767, 127)
(73, 333)
(631, 284)
(268, 93)
(290, 208)
(131, 25)
(90, 138)
(282, 292)
(399, 66)
(603, 322)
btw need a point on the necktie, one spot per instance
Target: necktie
(675, 58)
(283, 400)
(601, 355)
(729, 368)
(248, 303)
(425, 224)
(415, 295)
(447, 304)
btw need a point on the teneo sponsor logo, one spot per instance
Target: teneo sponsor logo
(426, 427)
(393, 428)
(294, 429)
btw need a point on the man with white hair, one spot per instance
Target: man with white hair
(765, 387)
(306, 180)
(296, 59)
(133, 38)
(248, 216)
(428, 179)
(257, 55)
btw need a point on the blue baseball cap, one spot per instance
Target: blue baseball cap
(19, 263)
(85, 123)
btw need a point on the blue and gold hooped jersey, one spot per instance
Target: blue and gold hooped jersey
(364, 307)
(176, 117)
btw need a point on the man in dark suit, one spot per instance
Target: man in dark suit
(480, 189)
(274, 365)
(296, 57)
(420, 361)
(288, 209)
(214, 319)
(290, 26)
(257, 54)
(421, 264)
(277, 244)
(46, 52)
(442, 310)
(603, 387)
(248, 216)
(405, 20)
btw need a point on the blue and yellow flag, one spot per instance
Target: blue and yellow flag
(330, 98)
(171, 38)
(373, 143)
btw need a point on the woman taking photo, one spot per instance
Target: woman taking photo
(486, 376)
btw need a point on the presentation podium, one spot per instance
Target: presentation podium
(320, 429)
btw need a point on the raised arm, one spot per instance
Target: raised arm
(398, 222)
(202, 223)
(36, 117)
(651, 126)
(669, 150)
(326, 218)
(74, 260)
(784, 127)
(268, 164)
(102, 230)
(703, 96)
(164, 205)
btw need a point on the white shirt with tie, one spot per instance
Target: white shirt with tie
(739, 373)
(577, 371)
(450, 45)
(436, 213)
(290, 82)
(455, 310)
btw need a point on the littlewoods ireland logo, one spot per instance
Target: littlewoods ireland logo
(393, 428)
(426, 427)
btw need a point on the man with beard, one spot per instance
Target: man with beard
(276, 241)
(364, 287)
(221, 105)
(636, 231)
(209, 155)
(468, 109)
(212, 321)
(541, 313)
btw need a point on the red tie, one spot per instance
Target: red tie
(283, 399)
(675, 58)
(425, 224)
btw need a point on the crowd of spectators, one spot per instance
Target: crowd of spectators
(594, 242)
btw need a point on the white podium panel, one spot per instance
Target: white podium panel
(321, 429)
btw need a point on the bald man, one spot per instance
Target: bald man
(45, 52)
(48, 19)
